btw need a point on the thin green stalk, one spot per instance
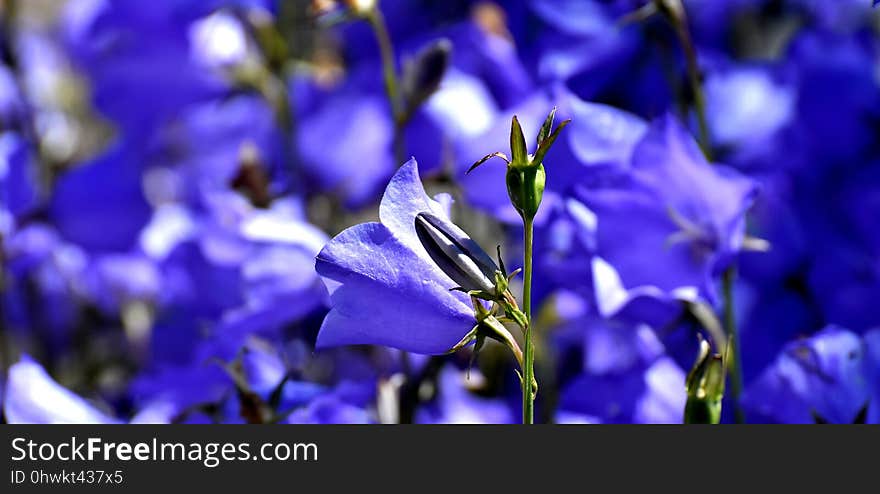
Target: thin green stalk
(733, 354)
(529, 352)
(693, 70)
(390, 78)
(735, 361)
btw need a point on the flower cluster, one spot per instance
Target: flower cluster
(260, 211)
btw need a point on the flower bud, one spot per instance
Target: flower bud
(456, 254)
(525, 186)
(422, 74)
(705, 388)
(525, 172)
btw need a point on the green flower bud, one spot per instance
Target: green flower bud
(705, 388)
(525, 187)
(525, 172)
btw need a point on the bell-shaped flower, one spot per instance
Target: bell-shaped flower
(386, 288)
(664, 229)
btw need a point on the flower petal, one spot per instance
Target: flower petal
(32, 397)
(405, 198)
(383, 293)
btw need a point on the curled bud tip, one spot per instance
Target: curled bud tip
(456, 254)
(422, 75)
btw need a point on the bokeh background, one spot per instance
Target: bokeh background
(169, 170)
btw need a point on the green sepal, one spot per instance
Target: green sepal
(547, 142)
(519, 153)
(547, 126)
(487, 158)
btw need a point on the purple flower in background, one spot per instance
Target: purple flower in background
(687, 213)
(100, 205)
(329, 409)
(13, 110)
(358, 122)
(384, 287)
(139, 52)
(456, 404)
(41, 277)
(171, 173)
(603, 135)
(746, 106)
(830, 377)
(18, 181)
(626, 378)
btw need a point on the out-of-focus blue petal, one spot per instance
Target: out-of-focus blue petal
(745, 104)
(825, 376)
(18, 181)
(656, 395)
(215, 137)
(576, 17)
(360, 159)
(456, 405)
(687, 213)
(113, 280)
(170, 392)
(100, 205)
(12, 107)
(831, 130)
(33, 397)
(329, 409)
(601, 134)
(134, 52)
(462, 106)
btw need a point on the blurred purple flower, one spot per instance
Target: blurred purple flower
(687, 213)
(13, 108)
(456, 404)
(100, 205)
(139, 52)
(358, 121)
(18, 181)
(626, 377)
(603, 135)
(42, 273)
(329, 409)
(746, 106)
(828, 377)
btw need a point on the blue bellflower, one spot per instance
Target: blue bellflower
(672, 203)
(385, 289)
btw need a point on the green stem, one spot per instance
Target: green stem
(529, 352)
(695, 79)
(389, 75)
(733, 353)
